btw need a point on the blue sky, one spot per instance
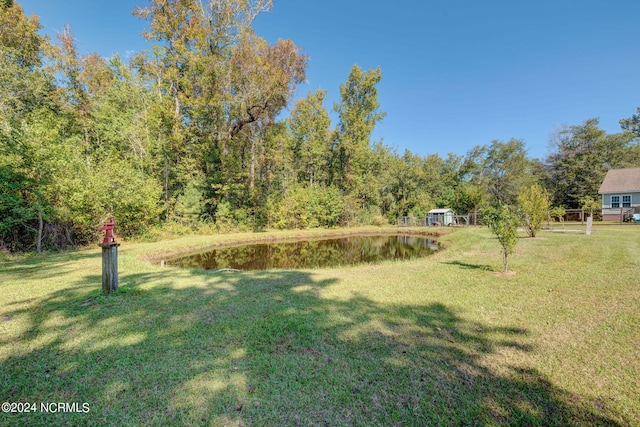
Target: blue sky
(456, 73)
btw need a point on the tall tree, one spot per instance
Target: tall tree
(309, 124)
(582, 155)
(69, 65)
(221, 87)
(632, 124)
(25, 94)
(358, 113)
(265, 77)
(502, 169)
(19, 34)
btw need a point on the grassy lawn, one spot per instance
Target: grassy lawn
(444, 340)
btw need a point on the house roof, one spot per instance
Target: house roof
(621, 181)
(439, 211)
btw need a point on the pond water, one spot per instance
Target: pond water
(317, 253)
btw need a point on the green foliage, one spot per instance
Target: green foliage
(189, 131)
(632, 124)
(534, 207)
(224, 217)
(17, 210)
(503, 222)
(190, 206)
(309, 126)
(19, 33)
(358, 112)
(558, 212)
(582, 156)
(309, 207)
(589, 204)
(502, 169)
(127, 194)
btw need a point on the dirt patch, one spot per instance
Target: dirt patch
(504, 273)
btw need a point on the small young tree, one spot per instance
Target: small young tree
(503, 222)
(589, 205)
(534, 207)
(558, 212)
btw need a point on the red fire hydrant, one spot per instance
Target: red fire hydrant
(109, 229)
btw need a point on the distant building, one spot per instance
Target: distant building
(620, 194)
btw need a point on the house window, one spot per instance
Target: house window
(626, 201)
(615, 201)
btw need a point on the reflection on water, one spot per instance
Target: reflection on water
(311, 253)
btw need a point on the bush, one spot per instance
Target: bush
(94, 193)
(190, 206)
(308, 207)
(224, 217)
(534, 207)
(379, 221)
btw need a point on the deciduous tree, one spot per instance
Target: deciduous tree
(534, 207)
(558, 212)
(632, 124)
(358, 113)
(582, 156)
(503, 222)
(502, 169)
(309, 124)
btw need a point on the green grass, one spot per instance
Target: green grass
(444, 340)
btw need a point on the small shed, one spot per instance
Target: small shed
(444, 216)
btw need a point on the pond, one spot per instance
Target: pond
(317, 253)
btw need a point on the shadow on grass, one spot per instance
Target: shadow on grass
(55, 265)
(268, 349)
(483, 267)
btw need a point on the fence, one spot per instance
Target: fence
(608, 214)
(423, 221)
(620, 215)
(413, 221)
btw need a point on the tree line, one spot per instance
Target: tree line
(188, 136)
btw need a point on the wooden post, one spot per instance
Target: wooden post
(109, 267)
(621, 216)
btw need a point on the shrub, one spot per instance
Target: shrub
(534, 207)
(190, 206)
(224, 217)
(308, 207)
(379, 221)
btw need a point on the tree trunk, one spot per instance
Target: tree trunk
(40, 221)
(87, 145)
(40, 228)
(67, 233)
(166, 188)
(253, 163)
